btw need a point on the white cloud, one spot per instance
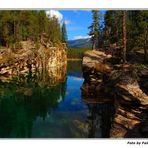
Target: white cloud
(81, 37)
(55, 13)
(67, 22)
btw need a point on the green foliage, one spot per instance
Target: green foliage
(113, 27)
(54, 30)
(76, 53)
(137, 28)
(94, 29)
(64, 33)
(16, 26)
(140, 66)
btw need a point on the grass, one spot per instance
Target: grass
(76, 53)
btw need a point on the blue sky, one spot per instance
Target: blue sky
(77, 21)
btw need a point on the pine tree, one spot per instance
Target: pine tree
(54, 30)
(113, 27)
(16, 26)
(143, 31)
(64, 33)
(42, 22)
(138, 31)
(94, 29)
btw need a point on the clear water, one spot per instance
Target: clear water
(51, 107)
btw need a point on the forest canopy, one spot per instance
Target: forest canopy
(21, 25)
(124, 29)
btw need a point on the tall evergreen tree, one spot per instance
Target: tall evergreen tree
(94, 29)
(54, 30)
(138, 31)
(64, 33)
(16, 26)
(113, 29)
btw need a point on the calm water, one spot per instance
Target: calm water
(50, 106)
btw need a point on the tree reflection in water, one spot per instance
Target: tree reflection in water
(99, 120)
(34, 107)
(22, 100)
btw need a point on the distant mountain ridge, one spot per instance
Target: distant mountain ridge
(80, 43)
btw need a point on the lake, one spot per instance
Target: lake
(50, 106)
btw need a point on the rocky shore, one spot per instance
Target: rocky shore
(123, 85)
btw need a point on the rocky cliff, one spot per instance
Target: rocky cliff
(124, 86)
(95, 71)
(32, 58)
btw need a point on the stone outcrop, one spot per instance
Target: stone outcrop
(125, 85)
(131, 103)
(95, 70)
(32, 58)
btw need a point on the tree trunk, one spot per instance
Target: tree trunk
(94, 45)
(124, 36)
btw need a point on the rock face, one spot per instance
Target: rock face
(131, 103)
(32, 58)
(124, 84)
(94, 72)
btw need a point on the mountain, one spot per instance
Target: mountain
(80, 43)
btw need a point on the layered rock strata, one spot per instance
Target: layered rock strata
(122, 84)
(32, 58)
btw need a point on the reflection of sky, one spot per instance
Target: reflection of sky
(72, 100)
(68, 117)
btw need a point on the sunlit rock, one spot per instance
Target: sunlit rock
(35, 60)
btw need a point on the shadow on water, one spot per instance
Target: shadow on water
(99, 120)
(49, 105)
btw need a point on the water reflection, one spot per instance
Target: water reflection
(22, 100)
(48, 104)
(99, 120)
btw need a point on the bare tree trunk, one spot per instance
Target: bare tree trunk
(124, 36)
